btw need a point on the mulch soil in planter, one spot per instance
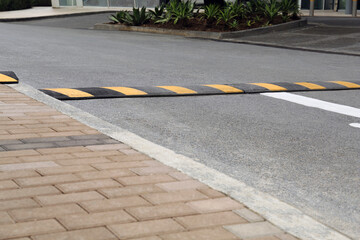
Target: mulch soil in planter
(198, 24)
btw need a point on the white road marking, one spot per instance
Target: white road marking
(357, 125)
(315, 103)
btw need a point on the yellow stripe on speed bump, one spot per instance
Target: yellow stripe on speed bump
(225, 88)
(127, 90)
(73, 93)
(7, 79)
(177, 89)
(347, 84)
(269, 86)
(311, 86)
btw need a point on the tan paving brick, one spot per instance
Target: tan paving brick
(90, 131)
(18, 136)
(147, 238)
(215, 205)
(161, 211)
(136, 180)
(177, 196)
(180, 176)
(8, 184)
(249, 215)
(8, 160)
(113, 204)
(42, 125)
(210, 220)
(78, 221)
(18, 153)
(17, 174)
(147, 228)
(100, 233)
(30, 130)
(29, 228)
(211, 193)
(96, 154)
(203, 234)
(17, 203)
(71, 128)
(46, 180)
(32, 165)
(48, 157)
(129, 151)
(108, 147)
(264, 238)
(21, 215)
(87, 185)
(285, 236)
(65, 169)
(5, 218)
(253, 230)
(27, 192)
(63, 150)
(68, 198)
(112, 173)
(152, 170)
(181, 185)
(61, 134)
(82, 161)
(130, 190)
(125, 158)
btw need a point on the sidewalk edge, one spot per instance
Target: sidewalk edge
(279, 213)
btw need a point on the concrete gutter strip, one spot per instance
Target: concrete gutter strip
(203, 34)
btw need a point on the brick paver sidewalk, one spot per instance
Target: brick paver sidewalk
(60, 179)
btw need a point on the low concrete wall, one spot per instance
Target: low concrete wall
(202, 34)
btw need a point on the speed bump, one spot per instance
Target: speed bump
(206, 89)
(7, 77)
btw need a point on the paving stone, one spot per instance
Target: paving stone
(8, 184)
(81, 161)
(215, 205)
(18, 153)
(78, 143)
(263, 238)
(68, 198)
(45, 139)
(129, 151)
(59, 134)
(47, 180)
(29, 228)
(210, 220)
(48, 157)
(252, 230)
(87, 185)
(125, 158)
(96, 154)
(10, 141)
(32, 165)
(78, 221)
(181, 185)
(71, 150)
(17, 174)
(29, 146)
(285, 236)
(130, 190)
(65, 169)
(147, 238)
(211, 193)
(179, 176)
(21, 215)
(5, 218)
(104, 166)
(100, 233)
(135, 180)
(203, 234)
(108, 147)
(113, 204)
(88, 137)
(177, 196)
(161, 211)
(10, 160)
(113, 173)
(152, 170)
(27, 192)
(147, 228)
(17, 203)
(249, 215)
(30, 130)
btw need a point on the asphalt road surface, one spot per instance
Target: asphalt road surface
(305, 156)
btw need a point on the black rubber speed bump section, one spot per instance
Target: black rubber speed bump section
(7, 77)
(208, 89)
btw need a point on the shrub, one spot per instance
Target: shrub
(210, 13)
(8, 5)
(178, 12)
(158, 12)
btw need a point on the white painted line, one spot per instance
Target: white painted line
(281, 214)
(315, 103)
(32, 165)
(357, 125)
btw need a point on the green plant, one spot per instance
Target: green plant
(285, 18)
(210, 13)
(271, 10)
(225, 16)
(234, 24)
(289, 7)
(237, 8)
(178, 12)
(118, 17)
(249, 23)
(257, 18)
(137, 17)
(158, 12)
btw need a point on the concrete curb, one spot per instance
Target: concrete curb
(279, 213)
(208, 89)
(202, 34)
(8, 77)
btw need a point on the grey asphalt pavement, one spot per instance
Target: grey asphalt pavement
(304, 156)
